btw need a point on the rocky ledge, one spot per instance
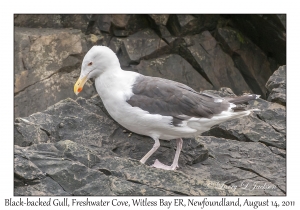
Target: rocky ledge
(75, 148)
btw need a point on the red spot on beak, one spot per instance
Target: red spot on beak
(79, 90)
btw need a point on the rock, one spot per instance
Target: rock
(248, 128)
(142, 45)
(255, 66)
(38, 21)
(101, 155)
(180, 25)
(268, 32)
(242, 166)
(47, 63)
(173, 67)
(104, 23)
(77, 21)
(185, 185)
(272, 113)
(193, 151)
(125, 188)
(282, 19)
(165, 34)
(68, 120)
(222, 92)
(46, 92)
(102, 39)
(31, 180)
(267, 126)
(180, 22)
(43, 52)
(72, 176)
(27, 133)
(278, 151)
(115, 44)
(26, 170)
(160, 19)
(105, 40)
(45, 187)
(276, 86)
(204, 53)
(80, 173)
(158, 23)
(80, 22)
(125, 25)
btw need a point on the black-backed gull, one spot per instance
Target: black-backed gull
(152, 106)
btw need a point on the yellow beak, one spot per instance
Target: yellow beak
(79, 84)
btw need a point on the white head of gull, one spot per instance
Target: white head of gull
(152, 106)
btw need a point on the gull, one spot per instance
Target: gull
(153, 106)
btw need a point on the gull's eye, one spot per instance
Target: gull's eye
(90, 63)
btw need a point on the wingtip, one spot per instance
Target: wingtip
(257, 96)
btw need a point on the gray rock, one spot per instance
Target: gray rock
(46, 187)
(185, 184)
(26, 170)
(254, 65)
(74, 177)
(278, 151)
(267, 31)
(249, 128)
(193, 151)
(30, 180)
(267, 126)
(68, 120)
(115, 44)
(104, 22)
(76, 21)
(47, 63)
(124, 25)
(27, 133)
(83, 173)
(272, 113)
(160, 19)
(40, 53)
(100, 39)
(242, 166)
(166, 35)
(213, 64)
(126, 188)
(42, 94)
(222, 92)
(276, 86)
(82, 158)
(181, 25)
(38, 21)
(142, 45)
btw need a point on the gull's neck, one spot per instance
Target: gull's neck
(115, 81)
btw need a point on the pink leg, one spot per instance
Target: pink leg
(174, 165)
(154, 148)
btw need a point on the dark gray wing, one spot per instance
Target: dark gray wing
(169, 98)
